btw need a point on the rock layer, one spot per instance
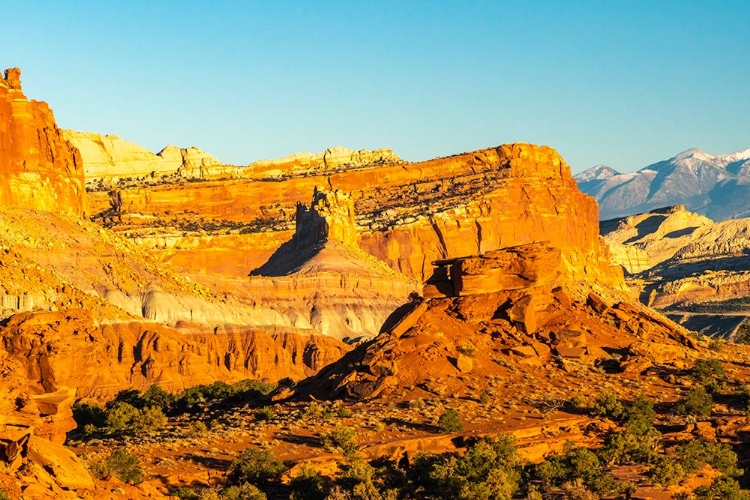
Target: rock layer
(39, 169)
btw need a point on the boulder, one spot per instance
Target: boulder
(68, 471)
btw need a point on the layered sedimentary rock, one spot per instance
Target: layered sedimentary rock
(39, 169)
(697, 270)
(108, 158)
(67, 349)
(332, 159)
(407, 215)
(351, 292)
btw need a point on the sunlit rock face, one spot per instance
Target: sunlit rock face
(39, 169)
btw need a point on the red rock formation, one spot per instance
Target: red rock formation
(39, 169)
(408, 215)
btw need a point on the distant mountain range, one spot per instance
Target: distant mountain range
(717, 186)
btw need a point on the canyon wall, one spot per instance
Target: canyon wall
(39, 169)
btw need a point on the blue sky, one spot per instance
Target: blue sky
(619, 83)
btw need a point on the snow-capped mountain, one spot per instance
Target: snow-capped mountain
(717, 186)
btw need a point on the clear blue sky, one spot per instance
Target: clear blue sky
(623, 83)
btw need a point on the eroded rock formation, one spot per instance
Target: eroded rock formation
(39, 169)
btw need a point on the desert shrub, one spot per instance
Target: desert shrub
(624, 447)
(196, 428)
(707, 370)
(608, 405)
(244, 491)
(343, 412)
(265, 413)
(720, 456)
(121, 464)
(341, 438)
(450, 421)
(149, 419)
(120, 417)
(696, 402)
(490, 469)
(130, 396)
(316, 410)
(158, 397)
(638, 416)
(484, 398)
(665, 472)
(416, 404)
(4, 496)
(254, 466)
(577, 466)
(309, 484)
(89, 414)
(722, 488)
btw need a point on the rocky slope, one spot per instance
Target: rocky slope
(513, 304)
(712, 185)
(39, 169)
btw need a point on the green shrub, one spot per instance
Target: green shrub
(149, 419)
(665, 472)
(120, 417)
(245, 491)
(341, 438)
(450, 421)
(696, 402)
(608, 405)
(490, 469)
(624, 447)
(722, 488)
(89, 414)
(197, 428)
(577, 466)
(484, 398)
(343, 412)
(316, 410)
(121, 464)
(265, 413)
(156, 396)
(254, 466)
(309, 484)
(720, 456)
(638, 417)
(4, 496)
(707, 370)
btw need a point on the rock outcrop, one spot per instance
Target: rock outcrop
(503, 323)
(108, 158)
(39, 169)
(639, 242)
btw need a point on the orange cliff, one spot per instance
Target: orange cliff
(39, 169)
(407, 214)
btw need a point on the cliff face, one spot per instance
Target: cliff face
(108, 158)
(407, 214)
(39, 169)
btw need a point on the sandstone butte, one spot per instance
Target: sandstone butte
(40, 170)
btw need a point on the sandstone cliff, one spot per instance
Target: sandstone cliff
(39, 169)
(108, 158)
(407, 215)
